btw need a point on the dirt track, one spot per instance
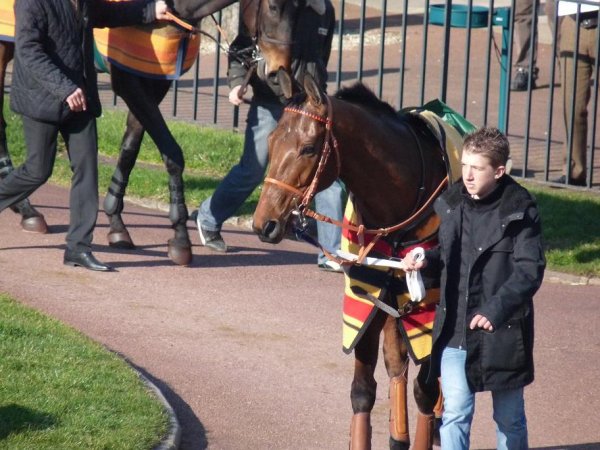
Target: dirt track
(247, 346)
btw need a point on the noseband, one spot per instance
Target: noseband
(330, 142)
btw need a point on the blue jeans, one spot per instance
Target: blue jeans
(245, 176)
(459, 407)
(329, 203)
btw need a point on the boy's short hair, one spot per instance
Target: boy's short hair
(489, 142)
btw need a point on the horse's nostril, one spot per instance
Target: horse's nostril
(273, 78)
(271, 228)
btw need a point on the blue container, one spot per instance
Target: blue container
(459, 15)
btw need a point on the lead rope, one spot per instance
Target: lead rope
(195, 30)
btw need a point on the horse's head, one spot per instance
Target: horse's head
(272, 23)
(300, 162)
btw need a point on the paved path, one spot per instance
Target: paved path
(247, 346)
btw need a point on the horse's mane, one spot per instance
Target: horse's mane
(360, 94)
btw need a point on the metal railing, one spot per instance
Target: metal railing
(412, 51)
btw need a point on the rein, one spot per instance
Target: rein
(307, 195)
(242, 54)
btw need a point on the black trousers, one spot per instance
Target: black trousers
(80, 136)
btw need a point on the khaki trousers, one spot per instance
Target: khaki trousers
(576, 93)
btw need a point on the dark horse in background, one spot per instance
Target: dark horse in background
(270, 21)
(393, 165)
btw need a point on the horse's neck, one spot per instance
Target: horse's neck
(382, 184)
(195, 10)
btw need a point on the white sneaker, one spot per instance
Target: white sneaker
(331, 266)
(211, 239)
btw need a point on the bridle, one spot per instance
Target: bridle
(329, 143)
(302, 211)
(249, 56)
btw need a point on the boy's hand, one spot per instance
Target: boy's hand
(411, 263)
(479, 321)
(160, 10)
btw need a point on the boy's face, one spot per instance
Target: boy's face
(479, 176)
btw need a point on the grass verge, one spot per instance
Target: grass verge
(60, 390)
(571, 230)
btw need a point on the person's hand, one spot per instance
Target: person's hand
(479, 321)
(410, 263)
(161, 9)
(77, 101)
(234, 96)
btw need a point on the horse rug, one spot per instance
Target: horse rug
(162, 51)
(7, 21)
(388, 283)
(159, 50)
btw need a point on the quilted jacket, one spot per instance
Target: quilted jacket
(54, 52)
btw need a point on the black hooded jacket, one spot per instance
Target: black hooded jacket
(54, 52)
(505, 270)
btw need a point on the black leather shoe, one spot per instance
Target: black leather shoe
(86, 260)
(563, 180)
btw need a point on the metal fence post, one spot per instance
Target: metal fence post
(502, 17)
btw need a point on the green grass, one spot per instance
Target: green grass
(571, 230)
(60, 390)
(209, 153)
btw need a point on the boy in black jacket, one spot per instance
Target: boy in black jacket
(491, 261)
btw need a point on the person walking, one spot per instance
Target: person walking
(491, 262)
(310, 54)
(578, 72)
(525, 32)
(54, 89)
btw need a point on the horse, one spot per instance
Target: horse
(269, 21)
(394, 167)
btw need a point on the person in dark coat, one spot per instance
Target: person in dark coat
(491, 262)
(54, 88)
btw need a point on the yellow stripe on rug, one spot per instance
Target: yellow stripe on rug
(7, 21)
(416, 326)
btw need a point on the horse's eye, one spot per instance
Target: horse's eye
(273, 8)
(307, 150)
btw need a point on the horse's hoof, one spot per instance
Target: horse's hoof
(35, 224)
(180, 255)
(398, 445)
(436, 431)
(120, 239)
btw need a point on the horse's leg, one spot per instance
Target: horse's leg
(427, 397)
(395, 356)
(143, 96)
(364, 386)
(118, 236)
(31, 219)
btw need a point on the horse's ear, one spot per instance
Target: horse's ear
(315, 95)
(286, 83)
